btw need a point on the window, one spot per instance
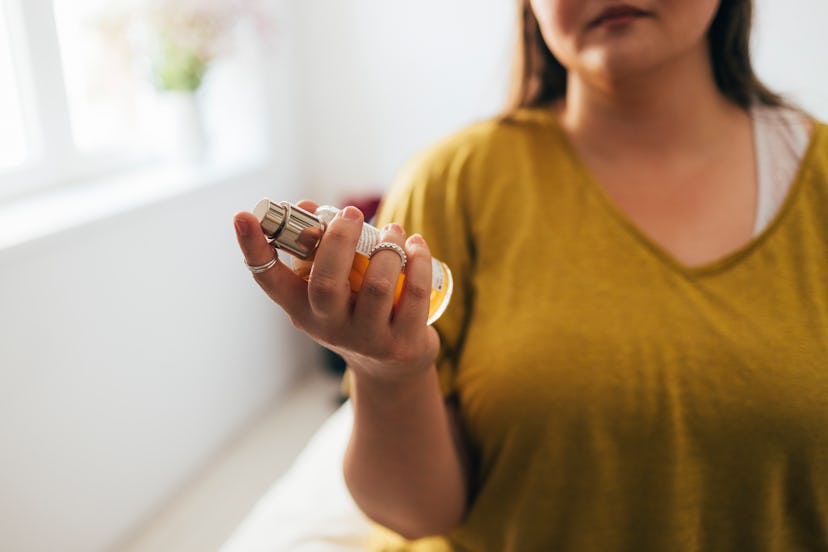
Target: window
(108, 102)
(13, 140)
(78, 97)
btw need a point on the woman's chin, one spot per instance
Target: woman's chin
(616, 65)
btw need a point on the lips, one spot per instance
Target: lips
(618, 13)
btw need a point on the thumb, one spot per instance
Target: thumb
(279, 282)
(252, 241)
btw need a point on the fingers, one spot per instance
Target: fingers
(251, 239)
(411, 312)
(375, 299)
(329, 291)
(300, 266)
(279, 282)
(378, 334)
(308, 205)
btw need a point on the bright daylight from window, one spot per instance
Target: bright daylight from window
(94, 87)
(13, 143)
(110, 104)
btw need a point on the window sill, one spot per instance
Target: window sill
(47, 213)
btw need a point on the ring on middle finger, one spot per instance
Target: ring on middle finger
(392, 247)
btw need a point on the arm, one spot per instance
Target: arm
(403, 465)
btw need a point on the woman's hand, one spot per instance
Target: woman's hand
(378, 340)
(403, 466)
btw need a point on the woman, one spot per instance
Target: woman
(636, 354)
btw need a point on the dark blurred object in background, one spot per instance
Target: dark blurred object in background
(367, 204)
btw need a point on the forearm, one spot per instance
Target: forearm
(403, 466)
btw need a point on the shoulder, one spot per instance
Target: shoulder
(482, 149)
(788, 131)
(819, 141)
(498, 136)
(815, 157)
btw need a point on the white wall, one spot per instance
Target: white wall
(381, 80)
(133, 347)
(791, 50)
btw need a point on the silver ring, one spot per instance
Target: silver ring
(263, 268)
(392, 247)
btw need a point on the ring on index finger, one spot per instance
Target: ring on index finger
(258, 269)
(392, 247)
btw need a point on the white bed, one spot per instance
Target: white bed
(309, 508)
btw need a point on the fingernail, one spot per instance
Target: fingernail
(242, 228)
(350, 213)
(393, 227)
(416, 239)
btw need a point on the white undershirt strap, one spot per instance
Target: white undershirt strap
(780, 137)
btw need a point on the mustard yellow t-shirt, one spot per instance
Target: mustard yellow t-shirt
(612, 398)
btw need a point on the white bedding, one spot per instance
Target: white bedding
(308, 509)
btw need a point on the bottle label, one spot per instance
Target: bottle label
(441, 278)
(437, 275)
(368, 238)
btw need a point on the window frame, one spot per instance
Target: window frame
(53, 159)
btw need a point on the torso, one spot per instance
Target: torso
(612, 399)
(697, 207)
(616, 401)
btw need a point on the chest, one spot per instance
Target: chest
(578, 326)
(696, 213)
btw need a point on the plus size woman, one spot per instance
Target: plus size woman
(636, 353)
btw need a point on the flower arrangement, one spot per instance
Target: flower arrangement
(177, 40)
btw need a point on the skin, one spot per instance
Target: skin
(644, 114)
(404, 464)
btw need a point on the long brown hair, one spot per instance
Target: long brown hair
(538, 78)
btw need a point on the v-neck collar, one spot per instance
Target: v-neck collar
(690, 271)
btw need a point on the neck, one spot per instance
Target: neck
(668, 108)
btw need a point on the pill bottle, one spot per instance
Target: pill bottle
(297, 231)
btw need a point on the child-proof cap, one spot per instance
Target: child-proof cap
(290, 227)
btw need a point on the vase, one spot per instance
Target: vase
(182, 137)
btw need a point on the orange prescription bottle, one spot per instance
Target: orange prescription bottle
(298, 232)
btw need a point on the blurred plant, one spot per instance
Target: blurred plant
(177, 40)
